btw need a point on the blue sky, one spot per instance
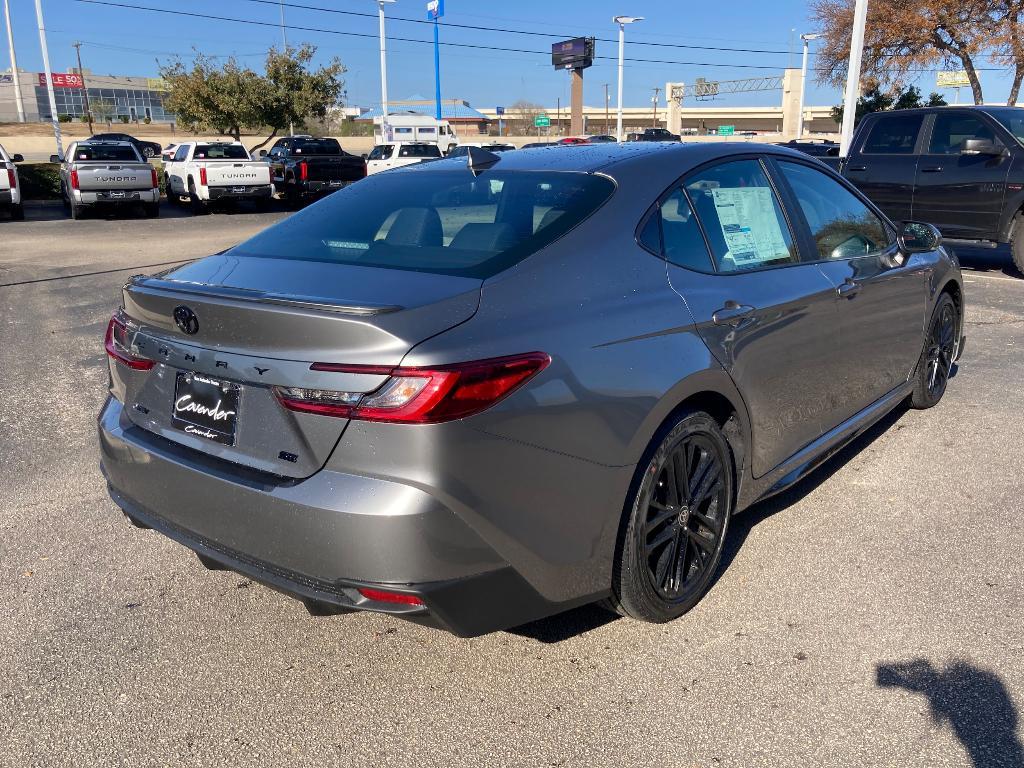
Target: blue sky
(123, 41)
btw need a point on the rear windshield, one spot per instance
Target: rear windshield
(419, 150)
(444, 222)
(97, 152)
(220, 152)
(317, 147)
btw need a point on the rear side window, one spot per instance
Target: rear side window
(951, 130)
(445, 222)
(742, 218)
(842, 226)
(221, 152)
(181, 153)
(672, 231)
(894, 135)
(102, 153)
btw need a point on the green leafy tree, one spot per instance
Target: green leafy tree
(877, 100)
(102, 110)
(230, 97)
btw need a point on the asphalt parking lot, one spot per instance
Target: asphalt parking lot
(869, 617)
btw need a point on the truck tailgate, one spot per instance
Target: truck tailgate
(104, 176)
(229, 173)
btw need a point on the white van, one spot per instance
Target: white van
(418, 128)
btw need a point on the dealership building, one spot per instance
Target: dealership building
(110, 97)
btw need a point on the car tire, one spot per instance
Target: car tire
(292, 198)
(76, 210)
(1017, 243)
(198, 207)
(148, 153)
(18, 212)
(936, 363)
(673, 531)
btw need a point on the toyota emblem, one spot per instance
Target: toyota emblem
(186, 320)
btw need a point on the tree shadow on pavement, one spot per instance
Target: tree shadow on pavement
(973, 701)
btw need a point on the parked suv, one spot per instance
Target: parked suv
(959, 168)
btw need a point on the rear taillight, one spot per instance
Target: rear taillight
(386, 596)
(202, 176)
(120, 344)
(156, 181)
(419, 395)
(303, 171)
(12, 179)
(74, 179)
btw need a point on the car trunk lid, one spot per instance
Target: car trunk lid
(252, 324)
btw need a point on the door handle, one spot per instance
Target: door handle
(933, 169)
(856, 167)
(733, 313)
(848, 289)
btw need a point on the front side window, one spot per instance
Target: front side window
(439, 221)
(841, 225)
(894, 135)
(742, 218)
(952, 129)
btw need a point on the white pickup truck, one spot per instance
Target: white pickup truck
(106, 173)
(214, 171)
(10, 187)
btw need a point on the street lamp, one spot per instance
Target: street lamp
(622, 21)
(860, 16)
(803, 83)
(383, 72)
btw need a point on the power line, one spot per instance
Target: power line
(506, 30)
(321, 30)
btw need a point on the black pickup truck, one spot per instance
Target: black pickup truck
(653, 134)
(304, 167)
(959, 168)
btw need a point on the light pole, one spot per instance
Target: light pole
(14, 64)
(860, 16)
(607, 102)
(49, 79)
(622, 21)
(654, 101)
(383, 73)
(803, 83)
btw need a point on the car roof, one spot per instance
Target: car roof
(622, 159)
(105, 143)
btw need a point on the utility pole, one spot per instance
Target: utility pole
(49, 78)
(607, 116)
(654, 101)
(622, 21)
(558, 115)
(85, 91)
(14, 64)
(860, 16)
(284, 50)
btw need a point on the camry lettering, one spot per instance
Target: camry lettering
(185, 404)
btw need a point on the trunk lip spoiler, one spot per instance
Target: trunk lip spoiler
(321, 303)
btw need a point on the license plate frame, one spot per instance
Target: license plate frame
(116, 195)
(205, 407)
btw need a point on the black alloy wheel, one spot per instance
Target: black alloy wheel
(677, 524)
(936, 362)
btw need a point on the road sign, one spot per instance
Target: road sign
(435, 10)
(499, 110)
(954, 79)
(541, 121)
(726, 130)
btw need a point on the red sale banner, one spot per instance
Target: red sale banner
(62, 80)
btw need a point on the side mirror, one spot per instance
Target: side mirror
(55, 158)
(263, 153)
(364, 156)
(980, 147)
(17, 159)
(917, 237)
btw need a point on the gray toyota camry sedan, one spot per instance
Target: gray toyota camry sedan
(479, 391)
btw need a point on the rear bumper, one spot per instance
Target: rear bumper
(322, 187)
(117, 197)
(249, 192)
(321, 538)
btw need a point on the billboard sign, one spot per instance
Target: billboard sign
(435, 10)
(6, 79)
(156, 84)
(573, 54)
(954, 79)
(62, 80)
